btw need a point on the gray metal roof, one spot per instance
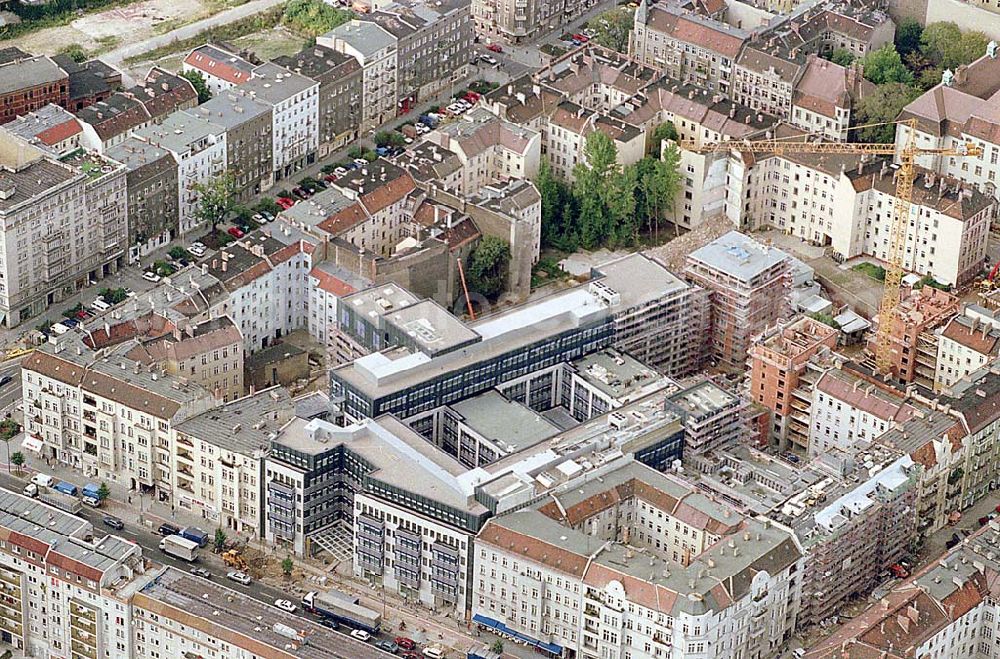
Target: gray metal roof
(364, 36)
(273, 84)
(29, 73)
(244, 425)
(738, 255)
(179, 131)
(230, 109)
(500, 420)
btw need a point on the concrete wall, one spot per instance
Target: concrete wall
(968, 16)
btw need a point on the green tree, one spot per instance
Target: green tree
(177, 252)
(219, 541)
(882, 106)
(946, 46)
(286, 566)
(605, 194)
(215, 199)
(665, 131)
(197, 81)
(612, 28)
(842, 56)
(17, 459)
(885, 65)
(908, 34)
(314, 17)
(488, 266)
(103, 492)
(658, 183)
(557, 210)
(75, 52)
(497, 646)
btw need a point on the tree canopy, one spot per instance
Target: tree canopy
(197, 81)
(612, 28)
(883, 104)
(489, 264)
(314, 17)
(908, 33)
(884, 66)
(215, 199)
(842, 56)
(947, 46)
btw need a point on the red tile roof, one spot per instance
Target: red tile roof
(58, 133)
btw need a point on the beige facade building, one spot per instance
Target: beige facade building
(967, 343)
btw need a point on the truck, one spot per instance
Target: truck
(342, 608)
(64, 502)
(194, 534)
(180, 547)
(65, 488)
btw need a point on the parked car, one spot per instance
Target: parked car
(59, 328)
(582, 38)
(360, 162)
(329, 624)
(201, 572)
(387, 646)
(340, 171)
(5, 380)
(285, 202)
(361, 635)
(240, 577)
(235, 232)
(93, 502)
(113, 522)
(285, 605)
(151, 276)
(168, 529)
(494, 48)
(410, 655)
(489, 59)
(30, 490)
(433, 652)
(406, 643)
(42, 480)
(268, 217)
(197, 251)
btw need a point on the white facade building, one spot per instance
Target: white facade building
(199, 147)
(294, 102)
(376, 48)
(965, 344)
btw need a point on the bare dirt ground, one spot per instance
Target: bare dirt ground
(106, 30)
(272, 43)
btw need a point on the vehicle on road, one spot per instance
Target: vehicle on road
(388, 646)
(285, 605)
(5, 380)
(63, 502)
(433, 652)
(194, 534)
(240, 577)
(494, 48)
(113, 522)
(201, 572)
(151, 276)
(285, 202)
(361, 635)
(343, 608)
(406, 643)
(489, 59)
(42, 480)
(329, 624)
(168, 529)
(410, 655)
(30, 490)
(93, 502)
(179, 547)
(65, 488)
(235, 232)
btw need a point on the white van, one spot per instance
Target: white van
(42, 480)
(100, 305)
(30, 490)
(59, 328)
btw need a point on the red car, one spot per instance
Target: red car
(285, 202)
(405, 643)
(495, 48)
(582, 38)
(235, 232)
(410, 655)
(472, 97)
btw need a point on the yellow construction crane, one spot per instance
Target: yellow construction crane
(897, 232)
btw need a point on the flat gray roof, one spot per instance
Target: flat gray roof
(639, 279)
(702, 399)
(200, 603)
(738, 256)
(244, 425)
(615, 374)
(379, 300)
(29, 72)
(135, 153)
(273, 84)
(364, 36)
(230, 109)
(432, 326)
(179, 131)
(503, 421)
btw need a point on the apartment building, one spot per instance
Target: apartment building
(514, 22)
(945, 610)
(266, 281)
(974, 400)
(848, 408)
(110, 419)
(217, 459)
(29, 83)
(50, 127)
(64, 225)
(851, 541)
(781, 379)
(913, 338)
(966, 343)
(374, 217)
(713, 417)
(825, 97)
(566, 136)
(328, 285)
(249, 140)
(489, 150)
(634, 562)
(686, 47)
(65, 593)
(958, 111)
(151, 178)
(199, 147)
(663, 323)
(340, 92)
(294, 102)
(748, 283)
(433, 41)
(176, 614)
(221, 69)
(89, 81)
(377, 50)
(209, 354)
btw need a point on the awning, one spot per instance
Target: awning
(503, 629)
(32, 444)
